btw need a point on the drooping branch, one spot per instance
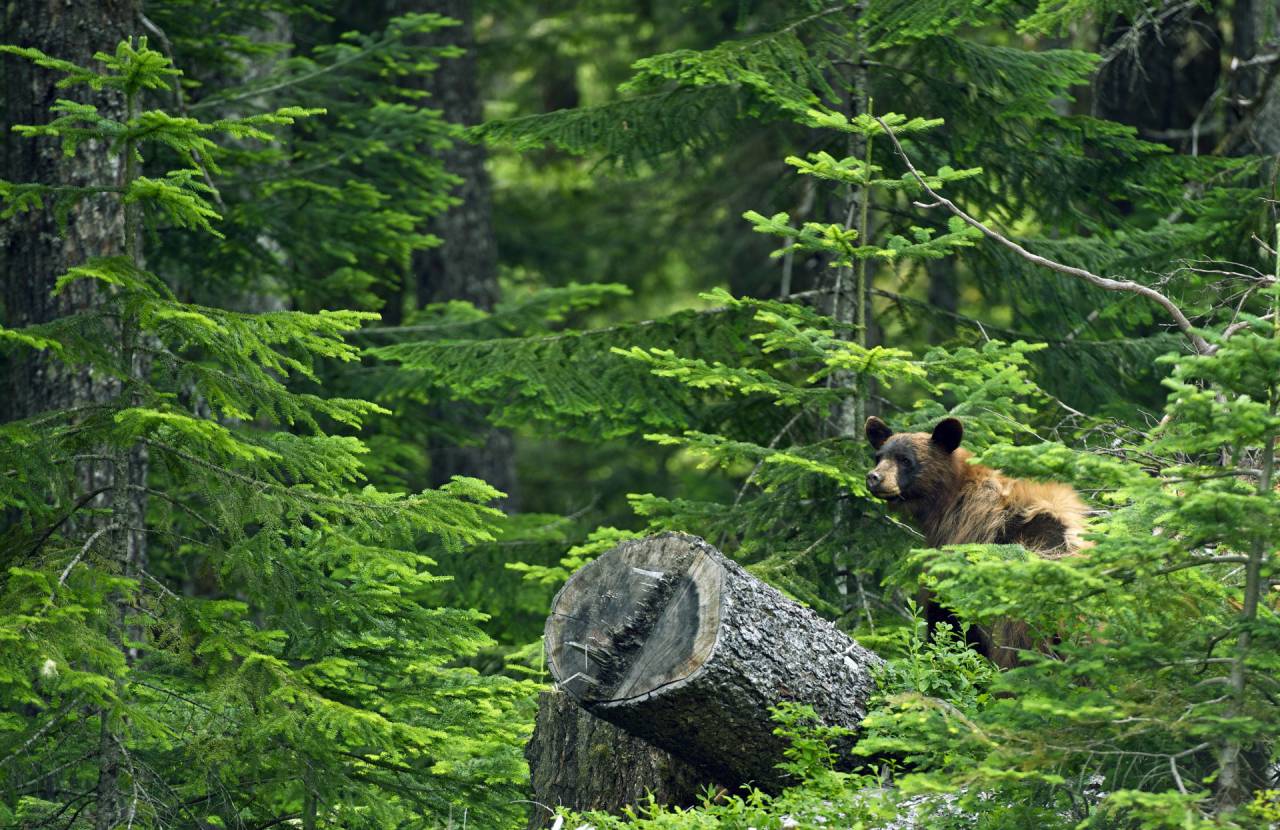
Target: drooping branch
(1198, 342)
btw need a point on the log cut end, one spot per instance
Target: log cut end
(641, 619)
(671, 641)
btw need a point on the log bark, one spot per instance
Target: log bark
(673, 642)
(581, 762)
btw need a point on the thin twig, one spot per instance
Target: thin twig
(85, 499)
(181, 101)
(88, 543)
(253, 92)
(151, 491)
(751, 476)
(162, 586)
(544, 338)
(39, 733)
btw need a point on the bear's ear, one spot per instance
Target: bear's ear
(877, 432)
(947, 434)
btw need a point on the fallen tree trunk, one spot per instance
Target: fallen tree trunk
(581, 762)
(676, 644)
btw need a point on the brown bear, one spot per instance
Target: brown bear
(928, 477)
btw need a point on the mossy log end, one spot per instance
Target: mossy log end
(675, 643)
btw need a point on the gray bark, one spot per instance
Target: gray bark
(581, 762)
(671, 641)
(34, 252)
(465, 264)
(1254, 92)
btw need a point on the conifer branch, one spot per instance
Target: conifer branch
(151, 491)
(549, 338)
(285, 83)
(1198, 342)
(39, 733)
(771, 445)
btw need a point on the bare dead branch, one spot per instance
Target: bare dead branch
(1236, 327)
(85, 549)
(1198, 342)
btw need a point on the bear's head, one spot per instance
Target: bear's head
(912, 465)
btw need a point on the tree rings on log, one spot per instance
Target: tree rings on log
(673, 642)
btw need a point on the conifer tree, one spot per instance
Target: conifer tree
(386, 180)
(1100, 196)
(310, 678)
(1160, 709)
(1150, 624)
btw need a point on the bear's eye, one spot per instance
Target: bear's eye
(905, 463)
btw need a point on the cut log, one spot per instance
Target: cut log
(673, 642)
(578, 761)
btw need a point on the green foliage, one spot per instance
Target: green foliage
(751, 404)
(940, 665)
(274, 649)
(570, 378)
(1093, 187)
(288, 649)
(344, 199)
(1158, 684)
(1163, 691)
(826, 795)
(686, 100)
(601, 540)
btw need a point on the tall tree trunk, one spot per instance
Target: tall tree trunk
(944, 296)
(465, 265)
(1254, 93)
(849, 292)
(1159, 73)
(33, 254)
(558, 80)
(579, 761)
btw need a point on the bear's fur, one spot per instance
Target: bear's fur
(927, 476)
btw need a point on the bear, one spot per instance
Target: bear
(927, 476)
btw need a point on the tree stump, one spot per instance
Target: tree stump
(578, 761)
(671, 641)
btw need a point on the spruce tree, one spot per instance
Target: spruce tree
(309, 678)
